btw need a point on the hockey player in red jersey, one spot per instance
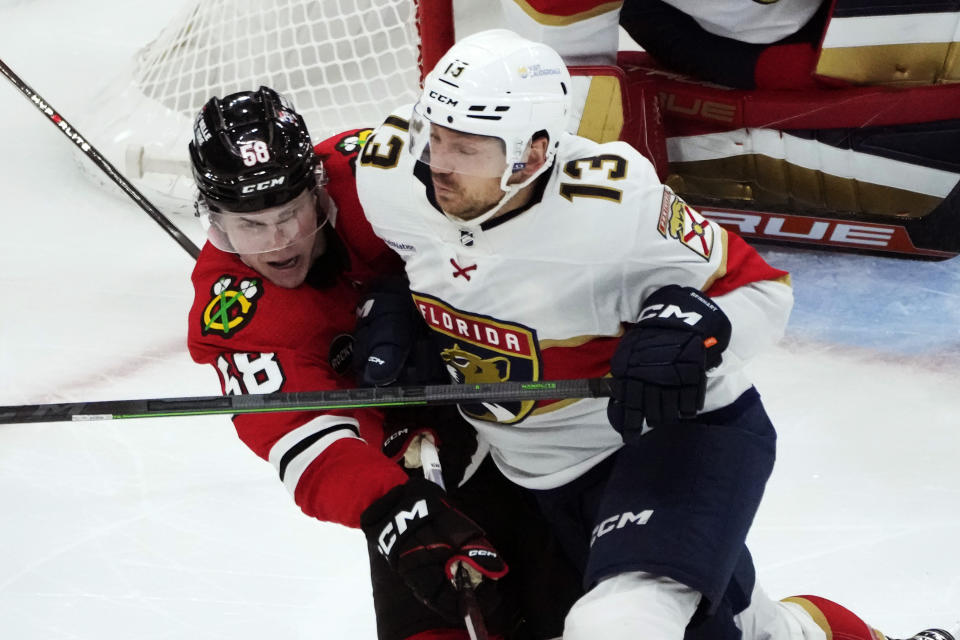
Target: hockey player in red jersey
(535, 254)
(275, 295)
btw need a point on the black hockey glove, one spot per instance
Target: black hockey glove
(659, 367)
(455, 439)
(424, 539)
(392, 343)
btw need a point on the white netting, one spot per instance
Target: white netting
(343, 63)
(327, 55)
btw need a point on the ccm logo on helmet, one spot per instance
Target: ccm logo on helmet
(263, 186)
(442, 99)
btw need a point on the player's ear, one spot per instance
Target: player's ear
(536, 155)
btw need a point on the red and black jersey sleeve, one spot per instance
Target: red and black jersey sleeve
(263, 339)
(369, 256)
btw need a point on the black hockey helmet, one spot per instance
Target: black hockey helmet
(250, 151)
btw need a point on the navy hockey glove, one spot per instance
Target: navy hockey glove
(659, 367)
(392, 343)
(424, 539)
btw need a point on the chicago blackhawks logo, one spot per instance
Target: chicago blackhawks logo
(478, 349)
(351, 144)
(678, 220)
(231, 308)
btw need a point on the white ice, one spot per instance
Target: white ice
(171, 528)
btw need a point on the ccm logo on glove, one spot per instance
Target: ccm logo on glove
(399, 526)
(425, 539)
(665, 310)
(659, 367)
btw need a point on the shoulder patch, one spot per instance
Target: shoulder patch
(231, 306)
(678, 220)
(350, 145)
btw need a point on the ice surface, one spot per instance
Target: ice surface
(171, 528)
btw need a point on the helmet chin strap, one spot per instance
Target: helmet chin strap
(512, 190)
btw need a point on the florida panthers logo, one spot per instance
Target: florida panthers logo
(231, 308)
(478, 349)
(467, 367)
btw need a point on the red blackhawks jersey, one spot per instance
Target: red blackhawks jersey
(261, 338)
(545, 292)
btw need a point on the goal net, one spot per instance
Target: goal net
(343, 63)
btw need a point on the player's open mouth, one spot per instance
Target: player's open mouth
(289, 263)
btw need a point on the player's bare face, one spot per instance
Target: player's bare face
(466, 170)
(293, 227)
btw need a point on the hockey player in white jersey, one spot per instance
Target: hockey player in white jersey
(535, 254)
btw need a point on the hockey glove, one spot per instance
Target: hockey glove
(424, 539)
(392, 343)
(659, 368)
(455, 439)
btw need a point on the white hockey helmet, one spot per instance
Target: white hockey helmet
(496, 83)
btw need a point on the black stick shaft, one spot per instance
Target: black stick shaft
(473, 616)
(91, 152)
(409, 396)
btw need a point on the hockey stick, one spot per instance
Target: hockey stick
(91, 152)
(472, 618)
(409, 396)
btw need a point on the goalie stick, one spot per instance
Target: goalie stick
(91, 152)
(408, 396)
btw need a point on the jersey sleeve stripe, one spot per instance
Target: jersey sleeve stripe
(307, 442)
(721, 270)
(293, 453)
(743, 266)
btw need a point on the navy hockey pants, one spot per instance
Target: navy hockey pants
(677, 503)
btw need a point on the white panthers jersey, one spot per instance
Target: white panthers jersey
(754, 21)
(583, 32)
(544, 292)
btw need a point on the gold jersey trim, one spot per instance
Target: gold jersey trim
(552, 20)
(602, 119)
